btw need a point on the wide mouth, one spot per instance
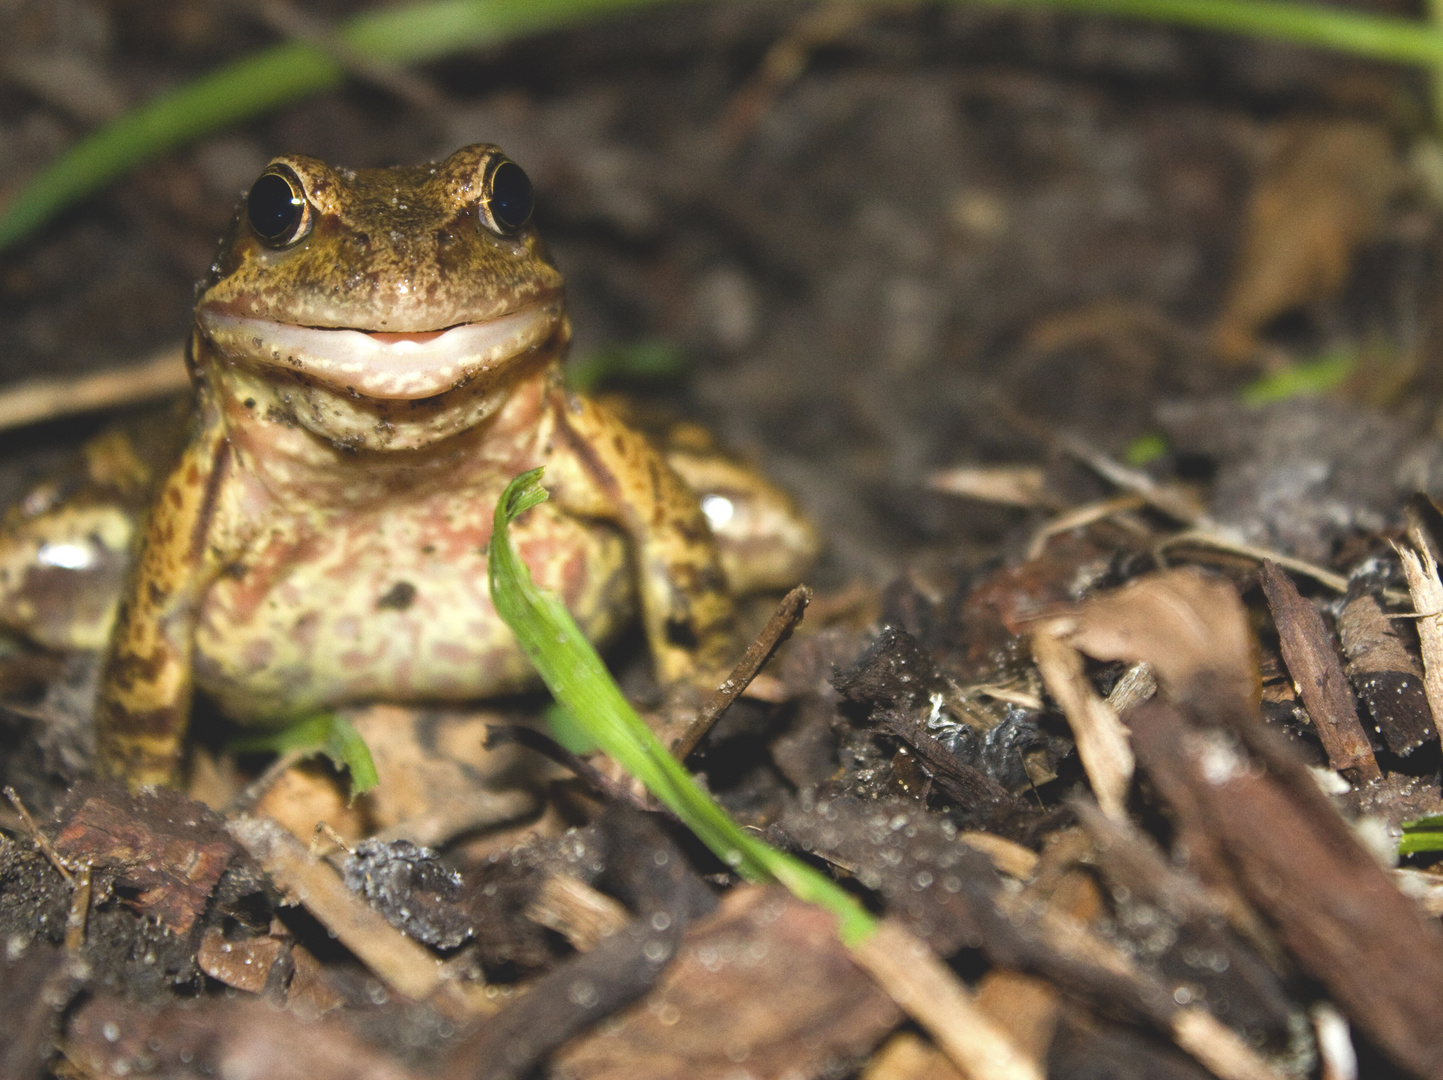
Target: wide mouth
(395, 366)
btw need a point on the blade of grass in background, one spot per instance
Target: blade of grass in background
(425, 31)
(578, 679)
(1435, 16)
(1381, 37)
(279, 76)
(1306, 378)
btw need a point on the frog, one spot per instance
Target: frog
(375, 354)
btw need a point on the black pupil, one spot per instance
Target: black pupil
(273, 208)
(510, 201)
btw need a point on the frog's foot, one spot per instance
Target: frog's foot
(764, 541)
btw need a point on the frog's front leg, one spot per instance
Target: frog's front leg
(143, 704)
(600, 467)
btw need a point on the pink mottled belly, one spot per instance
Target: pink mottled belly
(393, 607)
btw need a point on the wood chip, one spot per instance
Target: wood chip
(1008, 856)
(170, 849)
(1308, 651)
(763, 987)
(1181, 623)
(576, 911)
(906, 1056)
(1334, 907)
(1193, 1028)
(1025, 1006)
(1252, 819)
(1386, 676)
(1420, 570)
(932, 995)
(245, 965)
(1101, 739)
(1008, 485)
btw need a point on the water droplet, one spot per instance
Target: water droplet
(583, 993)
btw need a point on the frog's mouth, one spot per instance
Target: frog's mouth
(392, 366)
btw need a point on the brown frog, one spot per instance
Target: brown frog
(376, 353)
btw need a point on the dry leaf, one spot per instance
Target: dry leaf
(1321, 197)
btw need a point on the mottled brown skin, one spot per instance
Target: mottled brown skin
(322, 539)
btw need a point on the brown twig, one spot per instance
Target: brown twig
(779, 627)
(1119, 506)
(783, 64)
(76, 876)
(256, 790)
(79, 915)
(1218, 542)
(37, 836)
(547, 747)
(286, 18)
(50, 399)
(1168, 499)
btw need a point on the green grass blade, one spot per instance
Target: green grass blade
(324, 733)
(650, 361)
(279, 76)
(579, 680)
(1306, 378)
(1381, 37)
(1415, 843)
(423, 31)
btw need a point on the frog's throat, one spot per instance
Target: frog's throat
(384, 366)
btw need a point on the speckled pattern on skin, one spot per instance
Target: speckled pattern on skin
(363, 394)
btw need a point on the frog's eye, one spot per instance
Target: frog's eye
(507, 201)
(277, 208)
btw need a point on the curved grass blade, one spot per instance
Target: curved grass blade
(424, 31)
(279, 76)
(579, 680)
(1381, 37)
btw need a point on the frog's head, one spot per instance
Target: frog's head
(392, 287)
